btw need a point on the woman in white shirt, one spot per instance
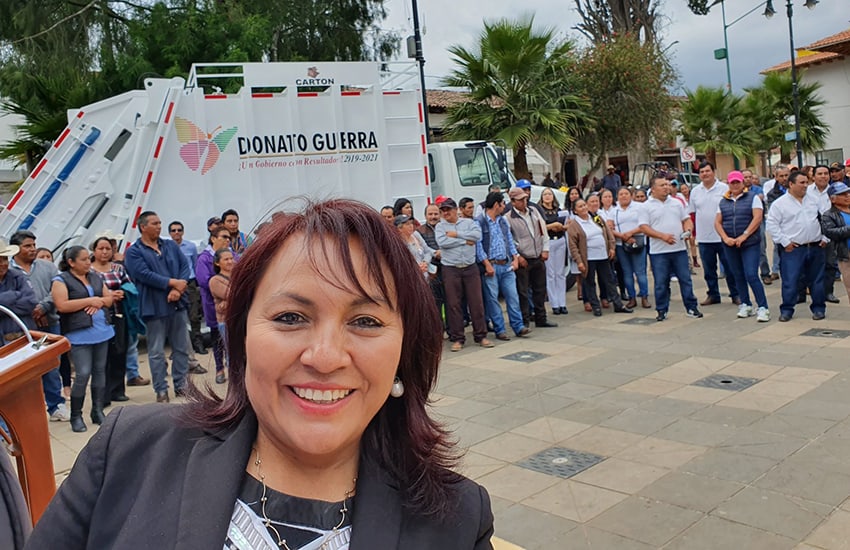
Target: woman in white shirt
(592, 246)
(631, 247)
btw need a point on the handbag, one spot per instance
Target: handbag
(640, 238)
(637, 246)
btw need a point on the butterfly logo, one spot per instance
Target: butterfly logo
(201, 149)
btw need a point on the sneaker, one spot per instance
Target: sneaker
(674, 279)
(762, 315)
(694, 314)
(662, 316)
(61, 414)
(745, 311)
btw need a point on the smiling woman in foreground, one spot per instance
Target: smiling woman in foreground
(323, 439)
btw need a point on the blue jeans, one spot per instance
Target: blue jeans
(709, 252)
(133, 357)
(51, 381)
(634, 265)
(663, 267)
(764, 266)
(503, 280)
(174, 328)
(808, 261)
(744, 263)
(89, 361)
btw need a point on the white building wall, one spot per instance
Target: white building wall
(834, 78)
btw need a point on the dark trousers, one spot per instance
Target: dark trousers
(457, 283)
(532, 276)
(194, 294)
(439, 293)
(116, 370)
(803, 261)
(709, 253)
(830, 274)
(602, 270)
(665, 266)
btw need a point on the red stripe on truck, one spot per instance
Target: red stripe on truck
(80, 114)
(392, 93)
(261, 95)
(158, 148)
(350, 93)
(427, 179)
(38, 168)
(136, 217)
(15, 199)
(62, 137)
(148, 182)
(215, 96)
(168, 113)
(421, 119)
(423, 144)
(308, 94)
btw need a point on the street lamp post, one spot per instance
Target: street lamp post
(795, 93)
(420, 60)
(724, 53)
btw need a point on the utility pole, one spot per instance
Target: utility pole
(420, 60)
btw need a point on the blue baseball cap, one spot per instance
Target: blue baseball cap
(838, 188)
(523, 184)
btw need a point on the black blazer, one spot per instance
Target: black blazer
(145, 481)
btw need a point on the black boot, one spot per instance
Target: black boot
(97, 405)
(77, 424)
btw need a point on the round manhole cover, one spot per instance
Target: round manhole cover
(561, 460)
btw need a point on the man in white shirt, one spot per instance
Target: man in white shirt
(773, 189)
(667, 225)
(820, 191)
(703, 202)
(793, 222)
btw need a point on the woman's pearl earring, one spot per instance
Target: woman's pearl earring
(398, 388)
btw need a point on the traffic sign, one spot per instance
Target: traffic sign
(687, 154)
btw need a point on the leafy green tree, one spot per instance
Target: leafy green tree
(521, 87)
(713, 121)
(626, 85)
(770, 109)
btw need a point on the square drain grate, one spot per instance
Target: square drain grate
(826, 333)
(561, 462)
(639, 321)
(525, 356)
(726, 382)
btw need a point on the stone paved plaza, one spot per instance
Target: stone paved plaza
(638, 449)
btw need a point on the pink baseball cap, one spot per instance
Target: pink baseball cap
(735, 175)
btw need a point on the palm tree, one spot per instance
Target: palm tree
(521, 89)
(771, 107)
(712, 122)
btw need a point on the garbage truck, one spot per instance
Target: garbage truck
(255, 137)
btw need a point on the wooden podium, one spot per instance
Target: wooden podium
(22, 362)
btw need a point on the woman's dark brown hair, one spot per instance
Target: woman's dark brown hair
(402, 439)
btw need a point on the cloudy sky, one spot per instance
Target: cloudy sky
(755, 42)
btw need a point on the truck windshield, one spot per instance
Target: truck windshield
(477, 166)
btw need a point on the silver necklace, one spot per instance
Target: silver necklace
(281, 542)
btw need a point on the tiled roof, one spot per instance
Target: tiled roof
(828, 43)
(440, 100)
(804, 61)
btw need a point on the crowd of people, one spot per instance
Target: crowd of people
(102, 301)
(471, 255)
(604, 243)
